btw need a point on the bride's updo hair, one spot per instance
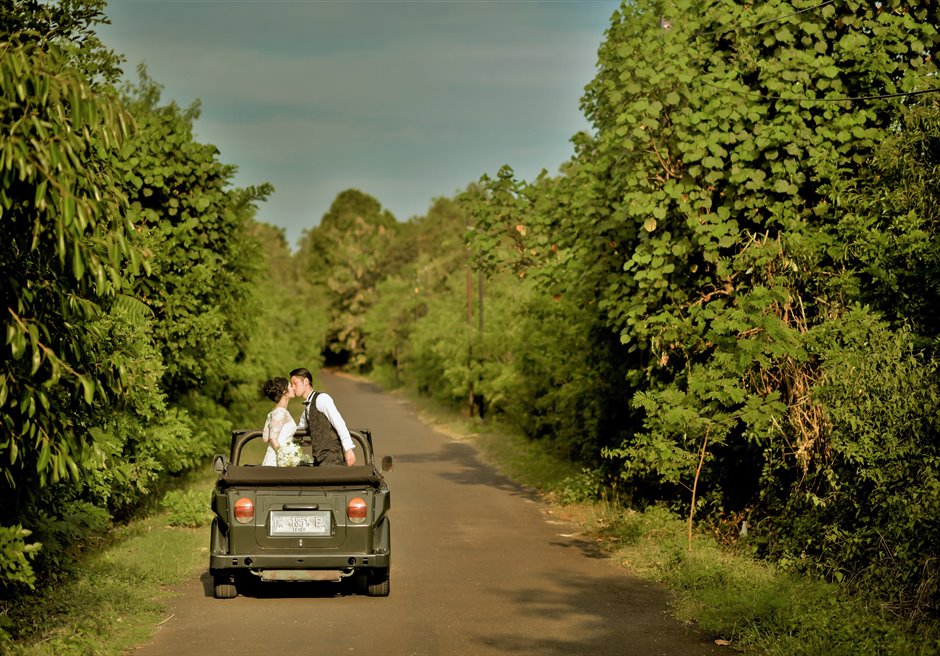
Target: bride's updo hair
(275, 388)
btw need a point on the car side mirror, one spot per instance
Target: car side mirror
(387, 463)
(219, 463)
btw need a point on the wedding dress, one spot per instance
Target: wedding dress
(281, 425)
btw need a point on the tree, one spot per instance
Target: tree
(196, 228)
(293, 318)
(346, 255)
(712, 216)
(67, 245)
(69, 25)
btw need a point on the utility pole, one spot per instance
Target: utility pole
(469, 340)
(481, 302)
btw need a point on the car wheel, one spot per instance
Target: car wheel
(224, 588)
(377, 583)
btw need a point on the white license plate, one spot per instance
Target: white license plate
(310, 522)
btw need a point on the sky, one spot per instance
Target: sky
(407, 101)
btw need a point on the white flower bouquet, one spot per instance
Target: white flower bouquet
(290, 455)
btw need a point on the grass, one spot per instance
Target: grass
(755, 606)
(118, 595)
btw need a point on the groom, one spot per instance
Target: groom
(324, 422)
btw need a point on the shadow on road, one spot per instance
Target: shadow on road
(470, 470)
(257, 589)
(607, 616)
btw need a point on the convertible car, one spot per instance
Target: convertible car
(301, 523)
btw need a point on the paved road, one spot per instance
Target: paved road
(480, 567)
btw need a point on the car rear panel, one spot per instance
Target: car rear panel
(299, 503)
(345, 544)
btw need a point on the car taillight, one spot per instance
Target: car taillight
(357, 510)
(244, 510)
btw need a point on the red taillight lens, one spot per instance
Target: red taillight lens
(357, 510)
(244, 510)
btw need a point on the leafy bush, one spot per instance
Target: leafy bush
(66, 526)
(187, 508)
(16, 572)
(868, 509)
(585, 487)
(15, 557)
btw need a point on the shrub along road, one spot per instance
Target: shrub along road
(480, 566)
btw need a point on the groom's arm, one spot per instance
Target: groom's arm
(327, 406)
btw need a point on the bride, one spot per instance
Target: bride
(279, 426)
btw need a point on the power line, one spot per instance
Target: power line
(884, 96)
(795, 13)
(769, 20)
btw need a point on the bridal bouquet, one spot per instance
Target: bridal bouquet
(290, 455)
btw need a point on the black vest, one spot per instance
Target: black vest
(324, 440)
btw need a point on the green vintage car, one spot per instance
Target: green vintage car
(301, 523)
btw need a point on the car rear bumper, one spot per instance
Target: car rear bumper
(297, 561)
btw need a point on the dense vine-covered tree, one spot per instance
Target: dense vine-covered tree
(711, 215)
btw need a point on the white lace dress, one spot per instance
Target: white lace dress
(280, 425)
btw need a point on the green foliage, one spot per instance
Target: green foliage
(345, 256)
(294, 326)
(15, 568)
(438, 360)
(203, 256)
(888, 232)
(15, 556)
(389, 323)
(69, 26)
(187, 508)
(868, 509)
(744, 227)
(587, 486)
(62, 261)
(116, 599)
(66, 526)
(127, 297)
(728, 210)
(428, 267)
(731, 287)
(757, 607)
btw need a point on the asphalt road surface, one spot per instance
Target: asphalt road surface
(479, 566)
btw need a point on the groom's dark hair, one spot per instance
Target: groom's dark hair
(303, 373)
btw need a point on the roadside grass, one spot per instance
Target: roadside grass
(757, 607)
(750, 605)
(119, 592)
